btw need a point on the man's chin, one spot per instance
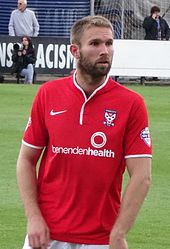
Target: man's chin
(103, 71)
(99, 74)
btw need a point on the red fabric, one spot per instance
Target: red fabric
(79, 181)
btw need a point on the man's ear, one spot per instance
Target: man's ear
(74, 49)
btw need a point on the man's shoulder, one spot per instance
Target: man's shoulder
(29, 11)
(126, 92)
(57, 84)
(163, 20)
(148, 18)
(26, 11)
(16, 11)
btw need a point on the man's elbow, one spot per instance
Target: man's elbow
(146, 181)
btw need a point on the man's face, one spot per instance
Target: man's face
(21, 5)
(157, 13)
(96, 51)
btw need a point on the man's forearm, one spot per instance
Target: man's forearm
(27, 183)
(133, 198)
(135, 193)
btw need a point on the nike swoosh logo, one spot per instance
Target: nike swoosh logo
(52, 113)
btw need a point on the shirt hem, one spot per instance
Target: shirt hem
(138, 155)
(32, 146)
(69, 239)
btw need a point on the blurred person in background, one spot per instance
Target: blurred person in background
(156, 28)
(24, 59)
(23, 21)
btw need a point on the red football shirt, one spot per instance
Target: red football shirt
(86, 143)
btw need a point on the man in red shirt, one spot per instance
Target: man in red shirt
(89, 129)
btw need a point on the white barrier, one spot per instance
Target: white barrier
(131, 57)
(141, 58)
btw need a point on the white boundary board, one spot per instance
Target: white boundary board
(141, 58)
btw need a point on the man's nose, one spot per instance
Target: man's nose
(103, 49)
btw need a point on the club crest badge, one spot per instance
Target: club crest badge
(109, 117)
(145, 136)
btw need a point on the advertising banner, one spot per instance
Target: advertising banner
(53, 55)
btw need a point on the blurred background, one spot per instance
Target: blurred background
(56, 17)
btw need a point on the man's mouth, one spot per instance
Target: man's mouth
(103, 61)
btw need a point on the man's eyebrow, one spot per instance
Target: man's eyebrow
(95, 39)
(100, 40)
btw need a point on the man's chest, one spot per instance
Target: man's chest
(98, 123)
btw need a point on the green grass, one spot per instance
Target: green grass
(151, 230)
(15, 101)
(152, 227)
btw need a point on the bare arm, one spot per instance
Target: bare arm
(38, 233)
(139, 170)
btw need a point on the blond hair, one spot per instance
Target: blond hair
(85, 23)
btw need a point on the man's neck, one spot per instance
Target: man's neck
(88, 83)
(23, 10)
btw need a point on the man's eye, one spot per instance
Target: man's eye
(110, 43)
(95, 43)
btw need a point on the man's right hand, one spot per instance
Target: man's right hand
(38, 232)
(154, 15)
